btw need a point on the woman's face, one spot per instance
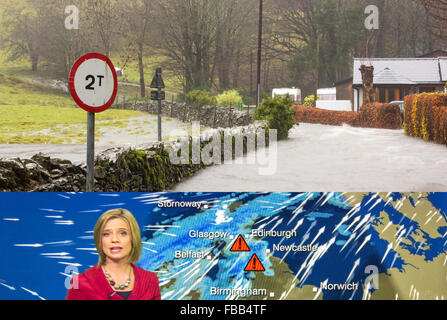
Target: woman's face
(116, 240)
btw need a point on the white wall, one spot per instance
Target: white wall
(335, 105)
(358, 93)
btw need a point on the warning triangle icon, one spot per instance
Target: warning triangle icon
(254, 264)
(240, 245)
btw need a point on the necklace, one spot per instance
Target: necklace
(114, 284)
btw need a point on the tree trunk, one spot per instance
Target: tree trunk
(252, 94)
(141, 69)
(317, 70)
(34, 62)
(368, 83)
(236, 71)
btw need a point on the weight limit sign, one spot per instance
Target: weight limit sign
(93, 82)
(93, 86)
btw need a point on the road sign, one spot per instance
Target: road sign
(240, 245)
(157, 81)
(254, 264)
(158, 95)
(93, 82)
(93, 85)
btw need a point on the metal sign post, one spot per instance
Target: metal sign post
(159, 95)
(93, 85)
(159, 117)
(90, 151)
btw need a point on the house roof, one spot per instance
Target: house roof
(404, 71)
(389, 76)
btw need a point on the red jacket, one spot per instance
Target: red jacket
(93, 285)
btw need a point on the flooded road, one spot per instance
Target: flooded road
(315, 157)
(328, 158)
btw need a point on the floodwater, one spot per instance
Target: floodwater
(329, 158)
(315, 157)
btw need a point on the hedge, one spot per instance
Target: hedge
(426, 116)
(373, 115)
(321, 116)
(380, 115)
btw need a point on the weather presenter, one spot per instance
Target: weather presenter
(116, 277)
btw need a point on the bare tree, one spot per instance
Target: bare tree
(206, 40)
(104, 20)
(317, 39)
(235, 32)
(61, 47)
(185, 35)
(21, 24)
(437, 9)
(136, 16)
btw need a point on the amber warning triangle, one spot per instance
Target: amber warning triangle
(240, 245)
(254, 264)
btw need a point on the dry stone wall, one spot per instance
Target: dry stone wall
(209, 116)
(116, 170)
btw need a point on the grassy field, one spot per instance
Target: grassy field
(131, 72)
(34, 114)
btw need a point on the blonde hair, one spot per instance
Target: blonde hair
(135, 236)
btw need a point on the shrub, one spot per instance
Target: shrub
(278, 113)
(200, 98)
(230, 98)
(309, 101)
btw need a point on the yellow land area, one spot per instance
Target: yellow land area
(420, 279)
(282, 284)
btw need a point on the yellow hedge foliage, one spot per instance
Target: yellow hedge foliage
(426, 116)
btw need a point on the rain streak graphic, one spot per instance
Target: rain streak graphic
(391, 240)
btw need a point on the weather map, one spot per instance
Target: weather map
(237, 246)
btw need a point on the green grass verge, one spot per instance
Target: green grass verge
(34, 114)
(14, 91)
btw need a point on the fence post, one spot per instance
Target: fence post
(230, 122)
(214, 118)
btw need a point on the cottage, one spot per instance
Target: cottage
(397, 77)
